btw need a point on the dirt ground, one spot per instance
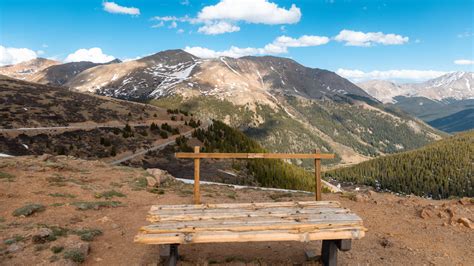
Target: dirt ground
(402, 230)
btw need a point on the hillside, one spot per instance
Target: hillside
(25, 104)
(460, 121)
(91, 212)
(438, 170)
(221, 138)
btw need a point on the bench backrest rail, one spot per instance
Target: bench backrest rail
(197, 155)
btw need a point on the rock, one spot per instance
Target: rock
(426, 213)
(79, 246)
(385, 242)
(152, 181)
(114, 226)
(104, 219)
(15, 247)
(360, 198)
(161, 176)
(466, 222)
(45, 157)
(371, 193)
(43, 232)
(42, 235)
(451, 215)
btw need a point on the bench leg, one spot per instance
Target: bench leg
(329, 252)
(169, 253)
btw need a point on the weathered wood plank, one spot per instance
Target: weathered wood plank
(297, 227)
(189, 155)
(256, 210)
(313, 219)
(302, 214)
(254, 236)
(246, 205)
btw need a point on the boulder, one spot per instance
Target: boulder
(466, 222)
(157, 177)
(15, 247)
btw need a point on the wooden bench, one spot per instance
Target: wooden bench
(173, 225)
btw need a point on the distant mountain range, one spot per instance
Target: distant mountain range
(287, 107)
(446, 102)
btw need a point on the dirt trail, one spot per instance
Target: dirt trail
(402, 230)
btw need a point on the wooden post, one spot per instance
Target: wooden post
(197, 195)
(317, 175)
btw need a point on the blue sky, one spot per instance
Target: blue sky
(399, 39)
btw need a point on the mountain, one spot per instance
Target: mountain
(384, 90)
(439, 170)
(27, 70)
(60, 74)
(456, 85)
(284, 105)
(434, 99)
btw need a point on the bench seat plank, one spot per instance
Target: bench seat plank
(253, 236)
(249, 222)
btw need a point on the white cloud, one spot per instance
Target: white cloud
(224, 16)
(92, 55)
(159, 25)
(180, 31)
(218, 27)
(303, 41)
(11, 56)
(40, 52)
(185, 2)
(464, 62)
(358, 38)
(401, 74)
(278, 46)
(251, 11)
(173, 25)
(112, 7)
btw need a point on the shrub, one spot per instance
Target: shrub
(62, 195)
(7, 176)
(109, 194)
(75, 255)
(29, 209)
(95, 205)
(87, 234)
(57, 249)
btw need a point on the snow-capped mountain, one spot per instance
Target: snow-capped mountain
(243, 80)
(456, 85)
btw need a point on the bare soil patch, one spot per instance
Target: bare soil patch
(90, 205)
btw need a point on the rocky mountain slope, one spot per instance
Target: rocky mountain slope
(284, 105)
(87, 211)
(446, 99)
(29, 70)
